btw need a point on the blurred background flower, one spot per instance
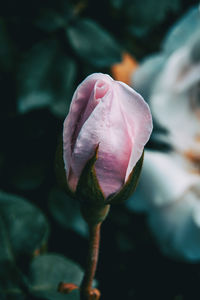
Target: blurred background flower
(170, 195)
(174, 93)
(169, 191)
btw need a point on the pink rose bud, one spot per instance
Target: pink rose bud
(107, 120)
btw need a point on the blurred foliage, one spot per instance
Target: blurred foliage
(46, 49)
(23, 234)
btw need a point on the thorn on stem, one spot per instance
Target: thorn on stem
(95, 294)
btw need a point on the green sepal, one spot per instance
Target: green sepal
(88, 191)
(60, 169)
(94, 214)
(129, 187)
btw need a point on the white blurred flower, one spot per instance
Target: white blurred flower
(175, 99)
(171, 197)
(169, 188)
(174, 94)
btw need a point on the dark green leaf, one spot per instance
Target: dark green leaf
(46, 79)
(143, 18)
(66, 211)
(47, 271)
(60, 169)
(94, 44)
(9, 282)
(50, 21)
(13, 294)
(117, 4)
(28, 176)
(25, 227)
(7, 48)
(33, 135)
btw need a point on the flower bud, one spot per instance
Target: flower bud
(103, 140)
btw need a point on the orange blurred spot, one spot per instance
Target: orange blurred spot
(124, 70)
(94, 294)
(66, 288)
(194, 158)
(191, 155)
(36, 252)
(41, 250)
(198, 138)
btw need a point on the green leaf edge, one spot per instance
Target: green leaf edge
(60, 169)
(88, 188)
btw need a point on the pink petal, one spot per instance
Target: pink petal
(139, 120)
(81, 107)
(107, 127)
(109, 114)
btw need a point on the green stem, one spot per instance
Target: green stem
(94, 239)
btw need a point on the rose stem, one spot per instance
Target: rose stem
(94, 239)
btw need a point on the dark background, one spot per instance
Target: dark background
(46, 49)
